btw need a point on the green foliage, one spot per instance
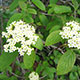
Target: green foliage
(51, 10)
(22, 5)
(48, 18)
(56, 57)
(39, 4)
(32, 11)
(54, 28)
(3, 76)
(39, 44)
(29, 60)
(28, 19)
(6, 59)
(54, 22)
(15, 17)
(62, 9)
(66, 62)
(50, 72)
(75, 4)
(78, 12)
(73, 76)
(53, 1)
(43, 20)
(13, 5)
(53, 38)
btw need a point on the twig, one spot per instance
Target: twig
(62, 45)
(17, 75)
(43, 77)
(63, 1)
(71, 4)
(74, 13)
(78, 56)
(58, 49)
(47, 14)
(50, 53)
(67, 1)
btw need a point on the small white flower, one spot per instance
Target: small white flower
(33, 76)
(66, 28)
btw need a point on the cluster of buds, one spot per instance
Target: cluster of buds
(33, 76)
(71, 32)
(20, 36)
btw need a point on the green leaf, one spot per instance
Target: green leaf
(43, 19)
(39, 4)
(22, 5)
(49, 71)
(78, 12)
(50, 24)
(51, 10)
(62, 9)
(6, 59)
(22, 0)
(72, 76)
(39, 44)
(32, 11)
(66, 62)
(15, 17)
(54, 22)
(53, 1)
(39, 68)
(29, 60)
(78, 1)
(54, 28)
(13, 5)
(28, 19)
(12, 78)
(3, 77)
(75, 4)
(53, 38)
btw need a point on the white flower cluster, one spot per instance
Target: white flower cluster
(33, 76)
(71, 32)
(20, 36)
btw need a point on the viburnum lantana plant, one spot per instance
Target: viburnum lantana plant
(20, 36)
(40, 40)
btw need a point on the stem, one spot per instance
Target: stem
(43, 77)
(59, 49)
(63, 45)
(74, 13)
(1, 23)
(17, 75)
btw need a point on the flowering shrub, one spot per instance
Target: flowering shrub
(40, 40)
